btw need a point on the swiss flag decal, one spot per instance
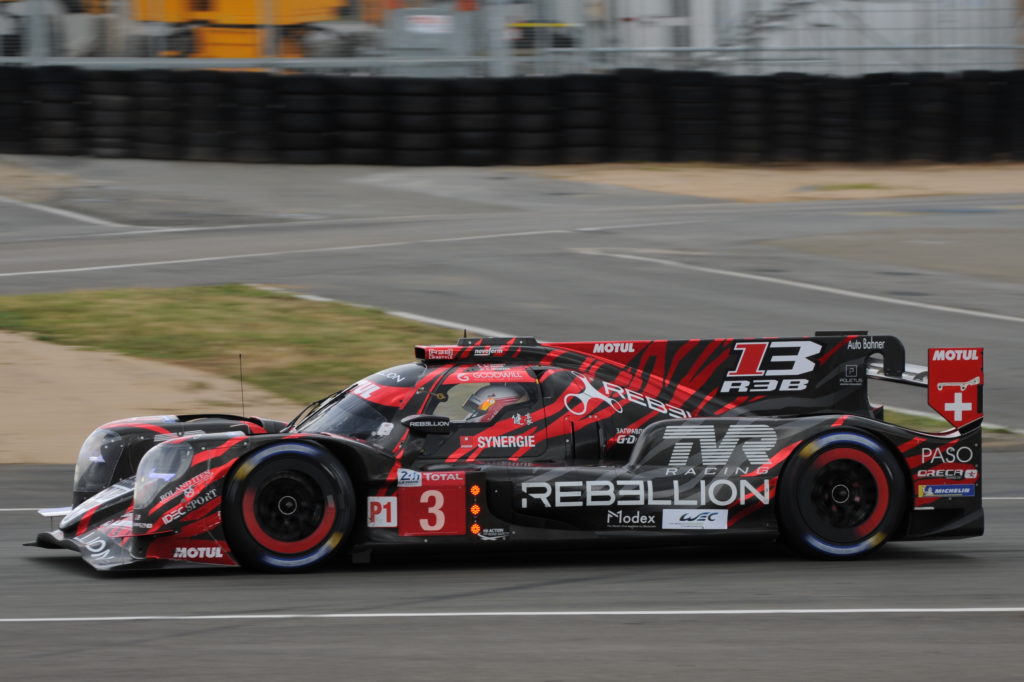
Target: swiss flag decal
(955, 378)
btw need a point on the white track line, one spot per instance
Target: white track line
(805, 285)
(81, 217)
(528, 614)
(437, 322)
(274, 254)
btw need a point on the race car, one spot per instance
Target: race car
(515, 443)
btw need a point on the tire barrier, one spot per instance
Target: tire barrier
(638, 115)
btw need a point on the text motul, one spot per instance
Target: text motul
(198, 553)
(613, 348)
(955, 354)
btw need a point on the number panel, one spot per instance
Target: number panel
(435, 507)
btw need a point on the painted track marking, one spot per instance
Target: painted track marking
(804, 285)
(73, 215)
(275, 254)
(529, 614)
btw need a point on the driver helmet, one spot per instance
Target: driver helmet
(485, 404)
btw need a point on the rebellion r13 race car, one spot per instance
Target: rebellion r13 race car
(514, 443)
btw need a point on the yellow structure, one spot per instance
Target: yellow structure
(237, 28)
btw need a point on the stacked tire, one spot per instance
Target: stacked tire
(304, 116)
(56, 93)
(975, 131)
(882, 106)
(692, 115)
(533, 126)
(639, 130)
(249, 119)
(204, 116)
(14, 110)
(1014, 116)
(585, 118)
(419, 110)
(158, 95)
(838, 115)
(110, 116)
(747, 117)
(791, 106)
(928, 123)
(362, 119)
(475, 122)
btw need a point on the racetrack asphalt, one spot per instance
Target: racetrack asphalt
(504, 250)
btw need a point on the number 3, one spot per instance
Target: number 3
(435, 499)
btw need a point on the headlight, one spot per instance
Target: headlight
(159, 467)
(97, 458)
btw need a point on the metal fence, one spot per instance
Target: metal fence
(528, 37)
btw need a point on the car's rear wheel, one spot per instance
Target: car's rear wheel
(842, 495)
(289, 507)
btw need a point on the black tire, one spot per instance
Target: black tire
(360, 120)
(156, 88)
(841, 496)
(297, 141)
(204, 154)
(306, 103)
(425, 123)
(111, 117)
(252, 97)
(289, 507)
(59, 146)
(584, 118)
(154, 150)
(532, 157)
(476, 157)
(305, 123)
(252, 127)
(157, 134)
(420, 141)
(58, 129)
(250, 156)
(362, 155)
(102, 152)
(57, 111)
(483, 104)
(362, 103)
(584, 155)
(421, 157)
(157, 118)
(307, 156)
(362, 138)
(480, 139)
(476, 121)
(303, 84)
(418, 105)
(57, 92)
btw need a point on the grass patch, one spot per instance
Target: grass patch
(298, 349)
(916, 422)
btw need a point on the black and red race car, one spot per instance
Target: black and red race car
(514, 443)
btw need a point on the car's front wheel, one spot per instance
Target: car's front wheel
(842, 495)
(288, 507)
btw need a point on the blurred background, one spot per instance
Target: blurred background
(518, 37)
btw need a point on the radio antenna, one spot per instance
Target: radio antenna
(241, 382)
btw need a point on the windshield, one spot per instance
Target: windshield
(351, 416)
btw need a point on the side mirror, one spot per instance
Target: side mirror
(428, 423)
